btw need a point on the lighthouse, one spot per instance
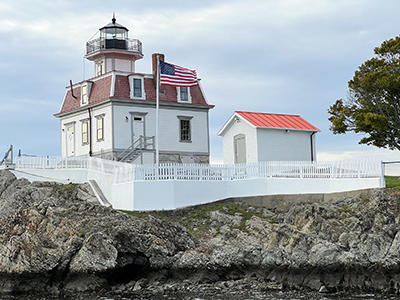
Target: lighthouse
(113, 115)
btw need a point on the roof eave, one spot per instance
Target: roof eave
(79, 109)
(293, 129)
(229, 122)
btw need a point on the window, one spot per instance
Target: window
(185, 134)
(184, 94)
(84, 94)
(85, 138)
(137, 87)
(100, 128)
(100, 68)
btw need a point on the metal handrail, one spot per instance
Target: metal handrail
(133, 45)
(6, 155)
(140, 144)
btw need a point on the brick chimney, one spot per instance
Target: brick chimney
(154, 59)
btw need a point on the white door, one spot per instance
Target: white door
(137, 128)
(240, 149)
(70, 140)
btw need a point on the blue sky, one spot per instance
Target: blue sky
(281, 56)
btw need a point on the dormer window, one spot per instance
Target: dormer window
(184, 94)
(84, 96)
(85, 92)
(137, 88)
(136, 84)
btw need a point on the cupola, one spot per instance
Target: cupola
(112, 50)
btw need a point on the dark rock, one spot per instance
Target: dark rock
(57, 239)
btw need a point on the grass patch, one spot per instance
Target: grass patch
(345, 209)
(345, 212)
(197, 221)
(392, 182)
(64, 190)
(364, 200)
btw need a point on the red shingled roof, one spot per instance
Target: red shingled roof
(277, 121)
(102, 87)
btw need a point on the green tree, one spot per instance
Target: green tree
(372, 107)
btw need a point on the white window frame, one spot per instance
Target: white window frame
(178, 92)
(84, 94)
(100, 68)
(87, 85)
(83, 122)
(132, 86)
(100, 129)
(190, 137)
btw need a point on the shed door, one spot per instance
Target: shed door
(70, 140)
(137, 128)
(240, 149)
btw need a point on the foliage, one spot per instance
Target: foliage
(373, 104)
(197, 221)
(392, 182)
(65, 190)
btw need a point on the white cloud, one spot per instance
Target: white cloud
(381, 154)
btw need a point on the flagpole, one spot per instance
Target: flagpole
(157, 110)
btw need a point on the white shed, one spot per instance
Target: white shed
(254, 137)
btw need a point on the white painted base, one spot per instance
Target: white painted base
(171, 194)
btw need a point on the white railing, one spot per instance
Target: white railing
(278, 169)
(124, 172)
(50, 162)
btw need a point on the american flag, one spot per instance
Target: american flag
(177, 76)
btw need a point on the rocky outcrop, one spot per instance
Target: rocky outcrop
(52, 238)
(56, 238)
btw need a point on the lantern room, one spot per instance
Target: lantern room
(113, 50)
(114, 36)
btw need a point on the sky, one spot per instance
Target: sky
(274, 56)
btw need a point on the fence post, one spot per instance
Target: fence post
(383, 182)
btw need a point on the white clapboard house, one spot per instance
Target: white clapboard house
(250, 137)
(113, 115)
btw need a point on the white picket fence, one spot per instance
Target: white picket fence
(276, 169)
(123, 172)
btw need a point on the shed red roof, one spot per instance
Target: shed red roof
(277, 121)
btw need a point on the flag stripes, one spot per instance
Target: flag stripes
(176, 76)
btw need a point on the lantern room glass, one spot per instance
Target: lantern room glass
(114, 36)
(109, 33)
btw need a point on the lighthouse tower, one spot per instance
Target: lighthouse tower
(113, 50)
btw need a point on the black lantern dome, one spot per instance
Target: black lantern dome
(114, 35)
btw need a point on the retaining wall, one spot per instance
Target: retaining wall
(172, 194)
